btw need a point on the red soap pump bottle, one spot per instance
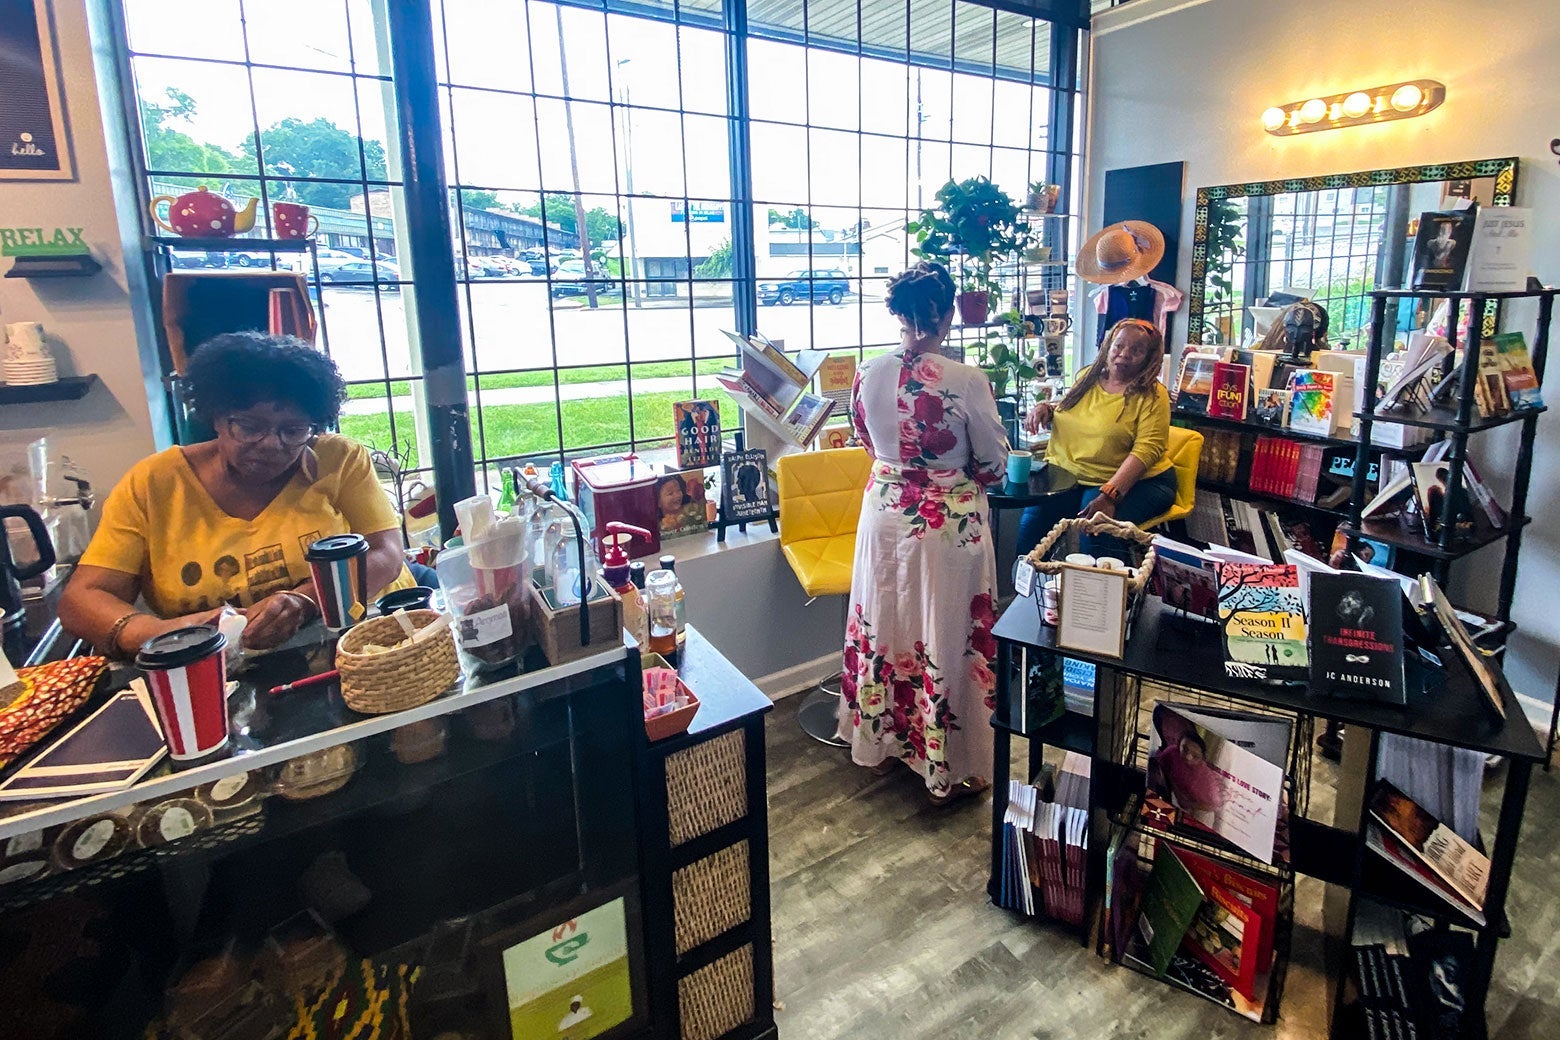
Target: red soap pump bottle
(615, 571)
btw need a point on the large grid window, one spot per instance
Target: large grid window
(615, 205)
(231, 94)
(559, 116)
(860, 112)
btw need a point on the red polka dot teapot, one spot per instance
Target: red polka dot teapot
(203, 214)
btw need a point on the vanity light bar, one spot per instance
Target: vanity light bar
(1374, 105)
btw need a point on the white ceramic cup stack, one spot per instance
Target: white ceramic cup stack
(26, 360)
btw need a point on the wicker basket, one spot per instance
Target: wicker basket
(1067, 538)
(718, 997)
(711, 896)
(706, 786)
(404, 678)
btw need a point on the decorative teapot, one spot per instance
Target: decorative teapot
(204, 214)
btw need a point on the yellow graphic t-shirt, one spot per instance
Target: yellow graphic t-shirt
(161, 524)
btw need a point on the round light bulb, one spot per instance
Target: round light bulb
(1274, 118)
(1313, 110)
(1407, 97)
(1356, 104)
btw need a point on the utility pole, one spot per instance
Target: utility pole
(580, 231)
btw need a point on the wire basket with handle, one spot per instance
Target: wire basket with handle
(1135, 546)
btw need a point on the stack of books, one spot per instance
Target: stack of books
(1287, 469)
(1045, 845)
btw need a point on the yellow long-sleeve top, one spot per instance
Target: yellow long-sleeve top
(1094, 437)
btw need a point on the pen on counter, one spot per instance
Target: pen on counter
(308, 680)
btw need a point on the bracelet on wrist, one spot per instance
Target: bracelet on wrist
(110, 645)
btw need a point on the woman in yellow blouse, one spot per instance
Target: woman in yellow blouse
(193, 529)
(1111, 430)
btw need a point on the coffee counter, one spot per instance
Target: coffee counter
(417, 846)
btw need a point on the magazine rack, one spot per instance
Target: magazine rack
(1443, 708)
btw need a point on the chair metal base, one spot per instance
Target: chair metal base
(819, 717)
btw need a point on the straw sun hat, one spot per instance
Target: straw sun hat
(1121, 252)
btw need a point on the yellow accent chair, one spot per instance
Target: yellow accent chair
(820, 496)
(1184, 451)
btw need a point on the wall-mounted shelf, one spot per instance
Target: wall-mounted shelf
(76, 265)
(69, 388)
(235, 245)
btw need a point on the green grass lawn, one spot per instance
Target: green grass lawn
(530, 429)
(509, 380)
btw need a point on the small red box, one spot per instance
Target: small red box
(622, 488)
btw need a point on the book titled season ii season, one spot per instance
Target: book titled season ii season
(1263, 618)
(1357, 636)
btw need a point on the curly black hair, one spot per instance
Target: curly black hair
(238, 370)
(921, 296)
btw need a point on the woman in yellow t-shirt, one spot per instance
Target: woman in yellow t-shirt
(227, 522)
(1111, 430)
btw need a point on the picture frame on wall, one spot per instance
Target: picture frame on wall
(34, 140)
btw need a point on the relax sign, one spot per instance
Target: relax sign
(34, 241)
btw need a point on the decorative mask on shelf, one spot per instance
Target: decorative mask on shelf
(204, 214)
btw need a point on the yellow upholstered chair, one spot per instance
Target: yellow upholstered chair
(820, 504)
(1184, 450)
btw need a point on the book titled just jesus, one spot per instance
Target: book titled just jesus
(1357, 636)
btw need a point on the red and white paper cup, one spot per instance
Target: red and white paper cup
(187, 674)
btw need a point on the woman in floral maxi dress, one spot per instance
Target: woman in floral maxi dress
(918, 676)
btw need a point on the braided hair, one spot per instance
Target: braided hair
(1142, 382)
(921, 296)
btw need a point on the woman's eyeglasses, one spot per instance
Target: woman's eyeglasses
(250, 431)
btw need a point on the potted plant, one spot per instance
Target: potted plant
(976, 221)
(1008, 365)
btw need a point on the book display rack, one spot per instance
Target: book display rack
(1167, 660)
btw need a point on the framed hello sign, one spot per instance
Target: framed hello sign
(34, 142)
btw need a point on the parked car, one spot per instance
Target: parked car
(362, 272)
(826, 283)
(570, 280)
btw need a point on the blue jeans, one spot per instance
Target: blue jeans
(1148, 498)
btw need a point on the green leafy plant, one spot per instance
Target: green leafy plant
(1004, 358)
(1226, 245)
(975, 221)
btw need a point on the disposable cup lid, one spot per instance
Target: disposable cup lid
(182, 646)
(337, 547)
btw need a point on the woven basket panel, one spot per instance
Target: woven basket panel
(711, 897)
(706, 787)
(718, 997)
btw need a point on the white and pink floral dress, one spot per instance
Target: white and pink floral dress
(918, 646)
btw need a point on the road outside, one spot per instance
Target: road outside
(521, 413)
(511, 329)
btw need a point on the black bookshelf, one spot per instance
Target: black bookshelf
(1458, 422)
(1443, 707)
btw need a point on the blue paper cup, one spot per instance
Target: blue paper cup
(1018, 467)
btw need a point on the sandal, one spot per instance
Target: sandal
(971, 787)
(884, 767)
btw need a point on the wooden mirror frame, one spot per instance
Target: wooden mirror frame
(1504, 171)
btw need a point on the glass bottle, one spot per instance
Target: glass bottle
(661, 606)
(669, 564)
(506, 494)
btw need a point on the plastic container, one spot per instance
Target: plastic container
(491, 605)
(661, 606)
(670, 723)
(317, 773)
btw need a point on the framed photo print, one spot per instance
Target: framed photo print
(34, 143)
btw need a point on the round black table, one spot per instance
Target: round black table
(1045, 480)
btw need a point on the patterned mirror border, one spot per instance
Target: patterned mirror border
(1503, 170)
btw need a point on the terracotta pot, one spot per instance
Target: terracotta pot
(974, 307)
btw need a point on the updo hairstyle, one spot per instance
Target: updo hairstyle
(921, 296)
